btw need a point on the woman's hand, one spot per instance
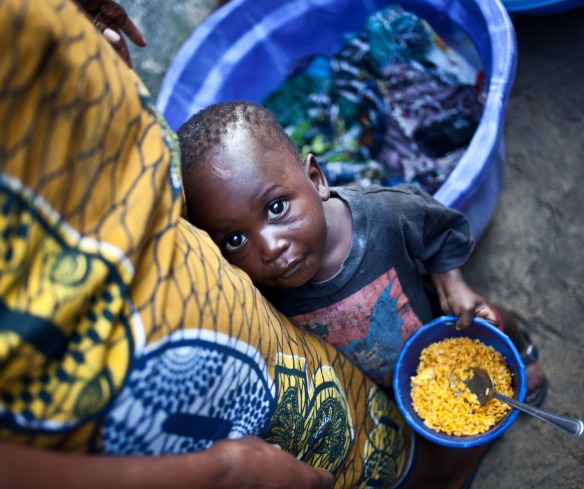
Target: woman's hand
(111, 19)
(458, 299)
(253, 463)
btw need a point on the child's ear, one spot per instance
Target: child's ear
(316, 176)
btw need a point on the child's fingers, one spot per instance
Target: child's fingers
(487, 313)
(464, 319)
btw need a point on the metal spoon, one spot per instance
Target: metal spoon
(481, 384)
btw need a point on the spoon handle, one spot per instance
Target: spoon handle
(571, 426)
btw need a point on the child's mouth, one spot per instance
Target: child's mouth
(292, 267)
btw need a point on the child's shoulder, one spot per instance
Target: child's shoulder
(402, 190)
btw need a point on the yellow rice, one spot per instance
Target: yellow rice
(439, 395)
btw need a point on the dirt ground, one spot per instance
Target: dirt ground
(531, 257)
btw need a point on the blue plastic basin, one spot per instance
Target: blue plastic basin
(247, 48)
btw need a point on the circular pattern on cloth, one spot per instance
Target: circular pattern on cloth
(187, 391)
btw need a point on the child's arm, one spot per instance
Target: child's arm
(458, 299)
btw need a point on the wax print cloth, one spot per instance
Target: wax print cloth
(122, 329)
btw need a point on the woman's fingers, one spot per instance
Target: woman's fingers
(120, 20)
(111, 19)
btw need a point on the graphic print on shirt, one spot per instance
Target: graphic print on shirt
(368, 326)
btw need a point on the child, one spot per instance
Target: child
(346, 263)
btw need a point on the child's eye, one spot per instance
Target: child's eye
(234, 241)
(277, 208)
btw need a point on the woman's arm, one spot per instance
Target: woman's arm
(245, 463)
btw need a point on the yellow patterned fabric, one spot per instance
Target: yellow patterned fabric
(122, 329)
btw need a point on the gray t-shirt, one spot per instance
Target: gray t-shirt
(377, 299)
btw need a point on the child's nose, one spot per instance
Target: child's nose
(272, 244)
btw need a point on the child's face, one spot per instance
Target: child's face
(263, 209)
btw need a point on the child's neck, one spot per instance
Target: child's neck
(338, 241)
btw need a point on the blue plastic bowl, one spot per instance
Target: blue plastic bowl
(438, 330)
(247, 48)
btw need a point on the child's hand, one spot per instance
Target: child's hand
(458, 299)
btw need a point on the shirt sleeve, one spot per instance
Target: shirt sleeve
(436, 235)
